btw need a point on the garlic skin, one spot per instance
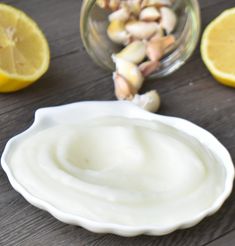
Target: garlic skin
(149, 101)
(168, 19)
(135, 52)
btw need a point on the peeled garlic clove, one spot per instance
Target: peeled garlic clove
(156, 47)
(156, 3)
(123, 89)
(164, 2)
(141, 29)
(149, 67)
(121, 15)
(134, 6)
(149, 14)
(130, 72)
(168, 20)
(114, 4)
(117, 33)
(134, 52)
(102, 3)
(149, 101)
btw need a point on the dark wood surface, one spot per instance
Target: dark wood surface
(190, 93)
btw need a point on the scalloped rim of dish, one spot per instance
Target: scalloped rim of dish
(67, 113)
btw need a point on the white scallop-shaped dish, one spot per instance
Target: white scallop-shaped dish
(77, 112)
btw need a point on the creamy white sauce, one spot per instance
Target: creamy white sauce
(118, 170)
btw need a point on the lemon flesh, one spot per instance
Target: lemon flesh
(24, 51)
(218, 47)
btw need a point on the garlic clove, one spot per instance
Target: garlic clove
(149, 101)
(168, 19)
(158, 35)
(130, 72)
(141, 29)
(102, 3)
(134, 6)
(155, 50)
(149, 67)
(117, 33)
(156, 3)
(156, 47)
(120, 14)
(114, 4)
(134, 52)
(149, 14)
(123, 89)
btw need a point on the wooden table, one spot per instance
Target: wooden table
(190, 93)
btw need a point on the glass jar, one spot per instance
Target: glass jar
(94, 23)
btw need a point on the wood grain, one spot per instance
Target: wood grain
(190, 93)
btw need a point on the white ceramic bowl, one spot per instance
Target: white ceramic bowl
(74, 113)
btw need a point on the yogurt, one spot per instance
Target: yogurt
(119, 170)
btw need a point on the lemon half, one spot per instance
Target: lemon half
(218, 47)
(24, 51)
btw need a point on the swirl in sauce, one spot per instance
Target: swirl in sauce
(120, 170)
